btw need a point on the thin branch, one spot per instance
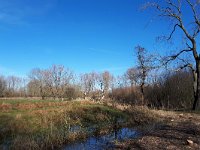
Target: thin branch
(166, 12)
(186, 66)
(194, 12)
(188, 46)
(177, 15)
(196, 32)
(173, 57)
(178, 8)
(174, 29)
(178, 54)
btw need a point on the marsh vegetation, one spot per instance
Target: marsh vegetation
(38, 124)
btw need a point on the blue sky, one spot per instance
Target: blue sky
(83, 35)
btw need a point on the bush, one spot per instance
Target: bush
(174, 91)
(72, 93)
(128, 95)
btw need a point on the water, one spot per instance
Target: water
(105, 141)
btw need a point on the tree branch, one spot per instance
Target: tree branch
(196, 32)
(178, 8)
(188, 46)
(173, 11)
(171, 34)
(186, 66)
(194, 12)
(185, 50)
(173, 57)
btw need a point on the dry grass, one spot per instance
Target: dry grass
(48, 124)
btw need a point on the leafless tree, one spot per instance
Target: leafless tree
(88, 81)
(52, 82)
(2, 86)
(173, 11)
(22, 87)
(132, 75)
(13, 85)
(105, 80)
(121, 81)
(60, 80)
(40, 78)
(33, 88)
(144, 66)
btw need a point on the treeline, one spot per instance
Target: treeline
(168, 90)
(13, 86)
(57, 82)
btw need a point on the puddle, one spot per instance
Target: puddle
(103, 142)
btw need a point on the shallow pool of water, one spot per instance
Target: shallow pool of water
(103, 142)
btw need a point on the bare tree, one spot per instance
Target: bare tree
(34, 88)
(105, 80)
(52, 82)
(13, 85)
(60, 80)
(2, 86)
(121, 81)
(132, 75)
(173, 11)
(144, 66)
(40, 78)
(88, 81)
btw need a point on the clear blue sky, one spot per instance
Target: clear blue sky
(83, 35)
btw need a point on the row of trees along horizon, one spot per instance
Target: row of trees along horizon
(144, 84)
(147, 83)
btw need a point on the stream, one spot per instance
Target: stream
(104, 141)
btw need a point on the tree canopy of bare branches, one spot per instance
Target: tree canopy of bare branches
(51, 82)
(144, 66)
(173, 10)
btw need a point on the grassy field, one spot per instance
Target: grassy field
(37, 124)
(48, 124)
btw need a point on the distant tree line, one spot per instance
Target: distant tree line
(170, 90)
(12, 86)
(57, 82)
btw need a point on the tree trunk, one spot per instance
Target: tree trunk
(196, 104)
(142, 92)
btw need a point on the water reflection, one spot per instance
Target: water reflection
(105, 141)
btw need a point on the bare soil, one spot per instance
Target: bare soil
(178, 131)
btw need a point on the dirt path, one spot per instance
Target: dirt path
(179, 131)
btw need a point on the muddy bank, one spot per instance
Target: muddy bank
(178, 131)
